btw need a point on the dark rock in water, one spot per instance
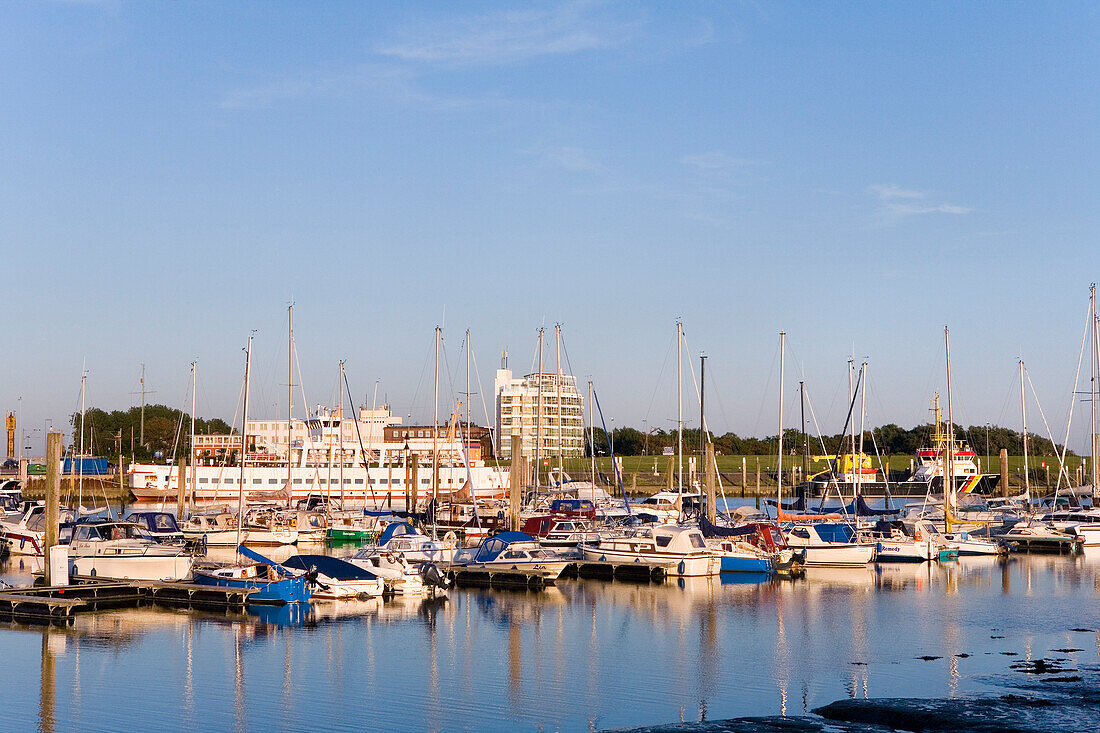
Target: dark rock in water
(1007, 714)
(773, 724)
(929, 659)
(1040, 666)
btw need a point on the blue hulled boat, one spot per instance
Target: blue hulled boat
(273, 583)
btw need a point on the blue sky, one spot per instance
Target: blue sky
(172, 175)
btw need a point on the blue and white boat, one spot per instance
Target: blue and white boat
(338, 579)
(516, 552)
(271, 582)
(161, 525)
(402, 539)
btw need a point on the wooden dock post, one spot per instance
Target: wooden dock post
(711, 481)
(181, 490)
(53, 499)
(1004, 471)
(634, 484)
(744, 476)
(758, 475)
(515, 482)
(413, 486)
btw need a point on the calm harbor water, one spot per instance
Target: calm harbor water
(585, 655)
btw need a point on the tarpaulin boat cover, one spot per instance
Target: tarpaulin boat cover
(395, 529)
(798, 505)
(860, 508)
(333, 567)
(710, 529)
(835, 532)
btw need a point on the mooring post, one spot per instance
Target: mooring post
(515, 482)
(1004, 471)
(53, 500)
(123, 492)
(413, 485)
(744, 476)
(758, 475)
(711, 480)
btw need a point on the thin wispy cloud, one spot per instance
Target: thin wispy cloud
(514, 36)
(717, 161)
(896, 202)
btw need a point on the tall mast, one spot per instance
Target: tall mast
(779, 462)
(1094, 438)
(680, 404)
(862, 416)
(949, 472)
(1023, 418)
(557, 349)
(141, 436)
(244, 439)
(467, 382)
(191, 445)
(340, 435)
(80, 459)
(290, 402)
(591, 434)
(538, 418)
(805, 437)
(851, 397)
(702, 404)
(435, 425)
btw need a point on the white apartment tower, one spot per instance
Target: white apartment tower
(517, 406)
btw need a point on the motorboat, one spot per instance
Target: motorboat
(1034, 536)
(268, 581)
(665, 507)
(25, 534)
(109, 549)
(682, 551)
(216, 527)
(401, 576)
(561, 533)
(338, 579)
(512, 552)
(266, 525)
(1084, 523)
(900, 541)
(404, 539)
(161, 525)
(312, 525)
(829, 543)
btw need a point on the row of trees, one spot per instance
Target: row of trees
(890, 439)
(119, 432)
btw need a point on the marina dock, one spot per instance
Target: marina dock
(58, 604)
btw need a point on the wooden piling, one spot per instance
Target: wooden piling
(53, 500)
(758, 476)
(744, 476)
(413, 486)
(711, 481)
(515, 482)
(1004, 471)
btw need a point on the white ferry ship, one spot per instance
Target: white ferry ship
(329, 457)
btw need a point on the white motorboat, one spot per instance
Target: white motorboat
(826, 543)
(26, 532)
(516, 552)
(665, 507)
(681, 550)
(403, 539)
(338, 579)
(123, 550)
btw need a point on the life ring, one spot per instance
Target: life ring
(391, 558)
(450, 537)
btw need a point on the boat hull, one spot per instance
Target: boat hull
(273, 592)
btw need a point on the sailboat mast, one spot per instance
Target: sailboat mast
(805, 437)
(289, 401)
(557, 349)
(862, 417)
(467, 381)
(680, 404)
(340, 435)
(80, 459)
(949, 471)
(538, 418)
(591, 435)
(779, 458)
(435, 425)
(1094, 437)
(1023, 418)
(191, 444)
(244, 438)
(702, 403)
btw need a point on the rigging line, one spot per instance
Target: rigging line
(831, 481)
(415, 405)
(301, 382)
(1076, 381)
(489, 425)
(874, 444)
(359, 436)
(614, 464)
(691, 371)
(660, 377)
(1050, 434)
(766, 391)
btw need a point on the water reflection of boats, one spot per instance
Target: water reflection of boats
(862, 576)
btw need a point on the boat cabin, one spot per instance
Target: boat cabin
(573, 508)
(156, 523)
